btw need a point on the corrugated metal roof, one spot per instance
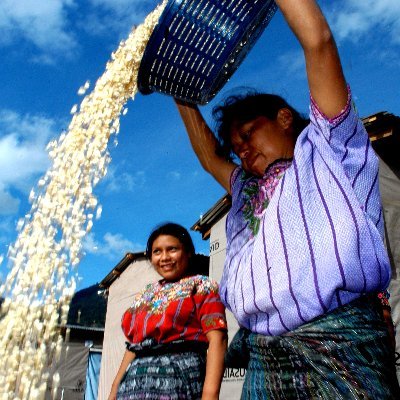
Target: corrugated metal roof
(84, 328)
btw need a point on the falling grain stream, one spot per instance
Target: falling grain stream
(44, 257)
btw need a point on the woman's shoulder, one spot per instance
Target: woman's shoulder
(349, 111)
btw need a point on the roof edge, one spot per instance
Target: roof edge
(213, 215)
(128, 259)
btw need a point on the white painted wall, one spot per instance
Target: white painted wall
(120, 297)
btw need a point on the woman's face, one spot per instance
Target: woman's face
(169, 257)
(260, 142)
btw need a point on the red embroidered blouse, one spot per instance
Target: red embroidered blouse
(183, 310)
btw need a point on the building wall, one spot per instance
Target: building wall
(120, 296)
(389, 185)
(71, 371)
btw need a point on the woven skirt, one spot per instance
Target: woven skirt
(165, 377)
(342, 355)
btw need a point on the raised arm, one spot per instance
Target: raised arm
(324, 71)
(205, 144)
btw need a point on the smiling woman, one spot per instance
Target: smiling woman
(169, 258)
(170, 249)
(170, 326)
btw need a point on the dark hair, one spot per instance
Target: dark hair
(198, 263)
(243, 108)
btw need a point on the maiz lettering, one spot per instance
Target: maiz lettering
(234, 373)
(214, 246)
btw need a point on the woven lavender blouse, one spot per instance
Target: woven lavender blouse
(308, 236)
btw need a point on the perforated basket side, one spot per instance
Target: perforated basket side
(198, 44)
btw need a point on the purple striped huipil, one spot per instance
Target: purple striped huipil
(320, 239)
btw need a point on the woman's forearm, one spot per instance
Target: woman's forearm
(205, 144)
(202, 139)
(126, 360)
(215, 364)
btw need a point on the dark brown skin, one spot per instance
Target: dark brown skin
(387, 316)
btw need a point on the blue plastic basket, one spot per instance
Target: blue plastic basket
(198, 44)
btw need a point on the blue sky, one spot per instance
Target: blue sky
(51, 48)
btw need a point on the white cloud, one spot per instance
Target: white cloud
(117, 4)
(7, 228)
(8, 203)
(115, 15)
(52, 26)
(356, 18)
(123, 181)
(129, 8)
(112, 246)
(174, 175)
(22, 154)
(292, 63)
(43, 23)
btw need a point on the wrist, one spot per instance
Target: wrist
(210, 393)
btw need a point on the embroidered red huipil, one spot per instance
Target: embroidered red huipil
(184, 310)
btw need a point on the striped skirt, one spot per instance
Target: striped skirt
(342, 355)
(164, 377)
